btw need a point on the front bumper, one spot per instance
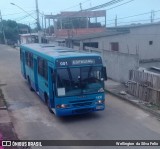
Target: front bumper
(80, 110)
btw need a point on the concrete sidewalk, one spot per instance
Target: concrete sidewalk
(120, 90)
(6, 127)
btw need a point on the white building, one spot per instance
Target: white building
(28, 38)
(143, 39)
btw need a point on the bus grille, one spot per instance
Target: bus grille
(78, 101)
(82, 104)
(80, 111)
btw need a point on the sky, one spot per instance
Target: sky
(127, 8)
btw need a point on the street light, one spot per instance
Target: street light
(23, 10)
(37, 20)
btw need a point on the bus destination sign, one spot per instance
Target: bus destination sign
(85, 61)
(78, 61)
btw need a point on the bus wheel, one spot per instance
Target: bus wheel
(29, 83)
(47, 103)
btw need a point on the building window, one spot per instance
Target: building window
(114, 46)
(43, 68)
(91, 44)
(150, 42)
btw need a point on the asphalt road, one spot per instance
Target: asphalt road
(32, 120)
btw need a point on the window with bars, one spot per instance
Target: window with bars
(114, 46)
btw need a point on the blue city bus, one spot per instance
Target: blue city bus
(70, 82)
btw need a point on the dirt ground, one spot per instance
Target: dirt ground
(6, 128)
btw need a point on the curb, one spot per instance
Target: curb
(153, 112)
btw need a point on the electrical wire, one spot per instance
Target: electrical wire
(120, 5)
(112, 2)
(133, 21)
(76, 5)
(28, 15)
(16, 13)
(104, 5)
(133, 16)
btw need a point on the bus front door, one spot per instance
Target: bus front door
(51, 88)
(23, 64)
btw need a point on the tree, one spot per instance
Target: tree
(12, 30)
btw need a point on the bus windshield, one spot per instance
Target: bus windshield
(79, 81)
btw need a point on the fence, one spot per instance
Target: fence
(151, 80)
(145, 86)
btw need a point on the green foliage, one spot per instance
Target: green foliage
(12, 30)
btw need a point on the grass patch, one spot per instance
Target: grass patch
(153, 106)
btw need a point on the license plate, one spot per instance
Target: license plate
(99, 107)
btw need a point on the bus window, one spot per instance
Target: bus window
(43, 68)
(29, 59)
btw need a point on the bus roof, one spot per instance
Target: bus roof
(53, 52)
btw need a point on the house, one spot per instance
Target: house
(29, 38)
(72, 23)
(33, 38)
(142, 40)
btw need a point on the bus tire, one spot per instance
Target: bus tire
(47, 102)
(29, 83)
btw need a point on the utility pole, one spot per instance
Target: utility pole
(116, 21)
(38, 23)
(4, 37)
(42, 21)
(152, 16)
(37, 11)
(29, 28)
(80, 4)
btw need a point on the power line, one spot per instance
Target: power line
(112, 2)
(133, 16)
(15, 13)
(120, 5)
(138, 21)
(104, 5)
(133, 21)
(21, 18)
(77, 5)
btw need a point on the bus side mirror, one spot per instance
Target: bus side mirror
(104, 73)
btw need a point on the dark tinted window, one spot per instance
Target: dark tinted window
(29, 59)
(43, 68)
(114, 46)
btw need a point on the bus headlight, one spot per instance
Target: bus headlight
(101, 90)
(62, 106)
(100, 102)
